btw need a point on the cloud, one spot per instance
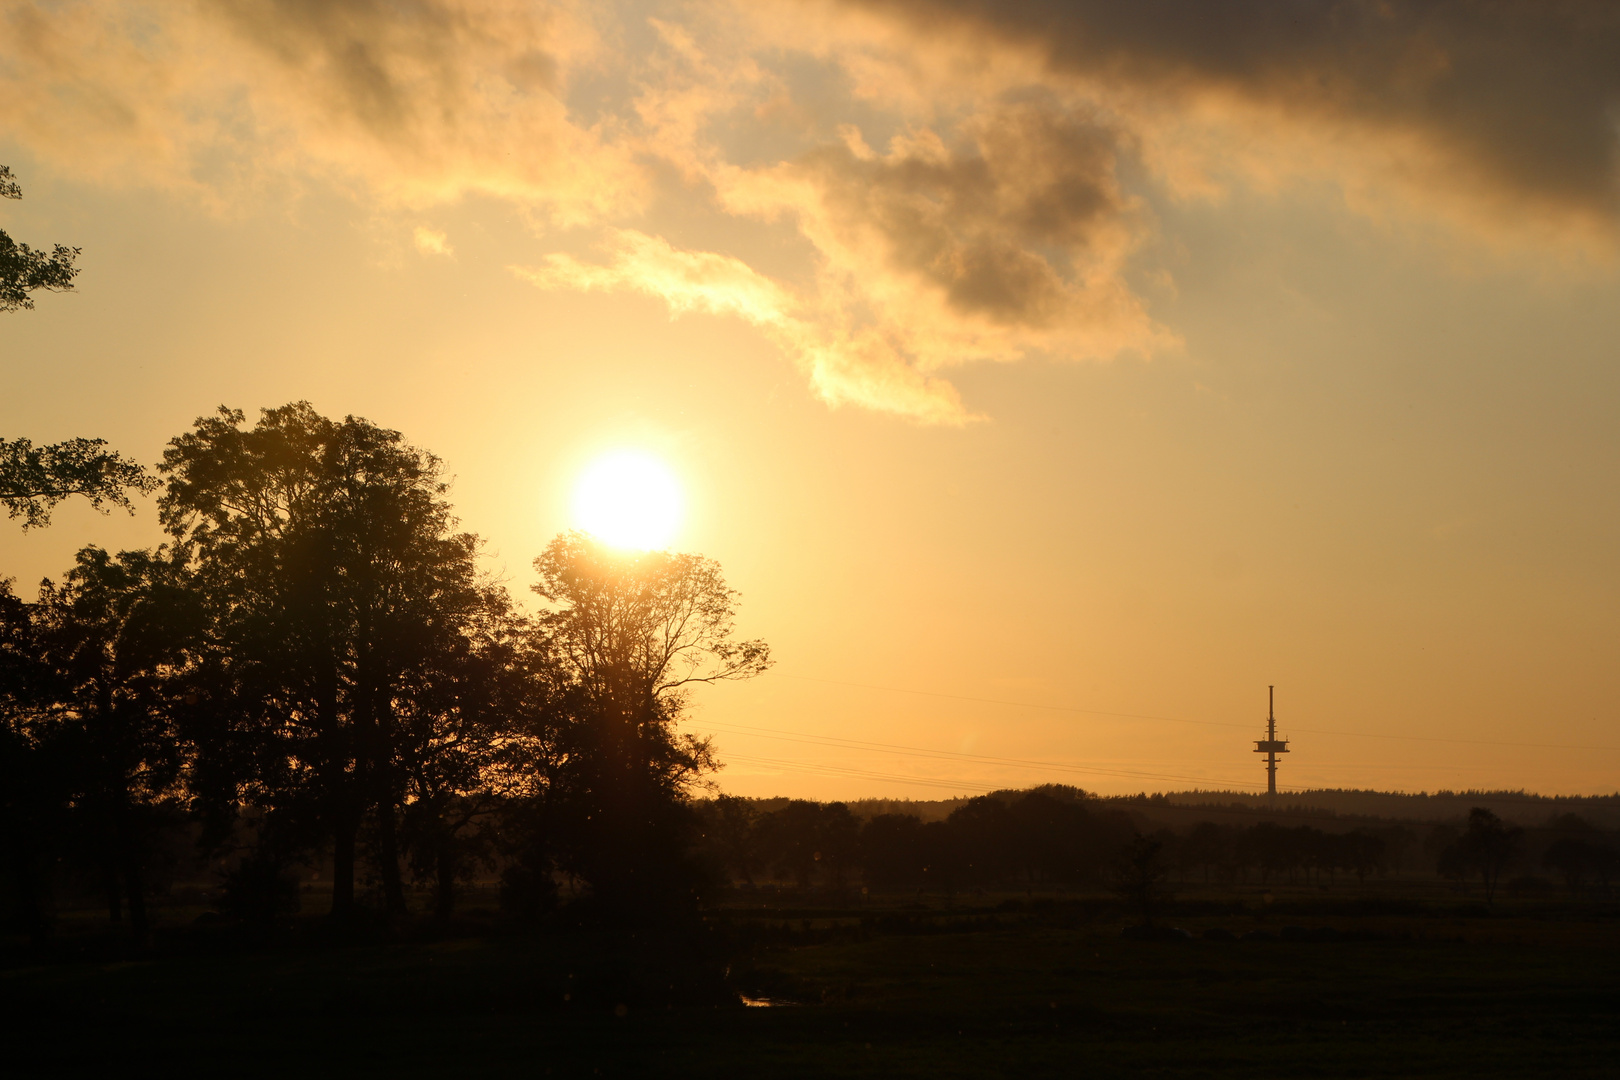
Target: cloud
(411, 103)
(899, 188)
(846, 365)
(1007, 240)
(927, 256)
(431, 241)
(992, 235)
(1508, 106)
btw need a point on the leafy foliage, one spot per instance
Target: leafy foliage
(24, 270)
(33, 479)
(351, 629)
(317, 664)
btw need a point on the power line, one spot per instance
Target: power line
(859, 774)
(923, 752)
(1184, 720)
(982, 759)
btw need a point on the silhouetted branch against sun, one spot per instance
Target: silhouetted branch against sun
(644, 623)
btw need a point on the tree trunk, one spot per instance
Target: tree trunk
(30, 891)
(445, 893)
(135, 883)
(345, 821)
(109, 882)
(388, 859)
(343, 869)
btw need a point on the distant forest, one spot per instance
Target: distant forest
(313, 680)
(1053, 836)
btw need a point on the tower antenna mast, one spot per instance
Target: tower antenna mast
(1271, 746)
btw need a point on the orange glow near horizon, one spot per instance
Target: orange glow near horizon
(1047, 385)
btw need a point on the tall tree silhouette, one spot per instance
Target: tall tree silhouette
(635, 631)
(343, 603)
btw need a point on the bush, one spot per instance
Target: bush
(259, 889)
(527, 892)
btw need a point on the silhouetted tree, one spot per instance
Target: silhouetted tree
(896, 850)
(33, 479)
(791, 838)
(1209, 847)
(729, 825)
(35, 765)
(471, 712)
(24, 270)
(840, 843)
(1365, 852)
(1585, 858)
(636, 630)
(1485, 848)
(343, 604)
(979, 835)
(1140, 877)
(540, 705)
(117, 637)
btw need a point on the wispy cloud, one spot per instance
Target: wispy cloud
(432, 241)
(846, 365)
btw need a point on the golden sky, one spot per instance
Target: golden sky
(1050, 378)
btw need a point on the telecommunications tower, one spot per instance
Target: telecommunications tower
(1271, 746)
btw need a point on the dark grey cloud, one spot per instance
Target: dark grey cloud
(1519, 94)
(994, 222)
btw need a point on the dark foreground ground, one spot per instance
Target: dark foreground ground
(1003, 989)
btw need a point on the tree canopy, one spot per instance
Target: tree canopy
(347, 613)
(317, 671)
(632, 633)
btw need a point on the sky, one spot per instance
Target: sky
(1049, 378)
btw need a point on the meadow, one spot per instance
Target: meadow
(1397, 978)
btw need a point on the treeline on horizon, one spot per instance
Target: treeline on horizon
(1059, 836)
(1420, 808)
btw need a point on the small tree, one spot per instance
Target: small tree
(1486, 848)
(730, 825)
(1141, 878)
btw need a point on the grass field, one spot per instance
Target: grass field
(994, 988)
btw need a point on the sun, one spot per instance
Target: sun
(628, 499)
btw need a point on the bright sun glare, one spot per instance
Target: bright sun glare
(628, 499)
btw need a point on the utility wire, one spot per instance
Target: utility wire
(906, 751)
(860, 774)
(1184, 720)
(982, 759)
